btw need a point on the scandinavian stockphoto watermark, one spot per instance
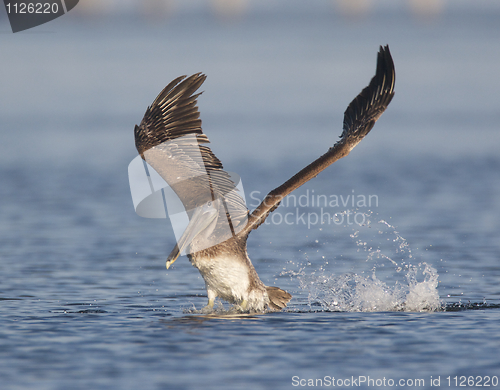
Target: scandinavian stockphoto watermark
(311, 209)
(28, 14)
(153, 197)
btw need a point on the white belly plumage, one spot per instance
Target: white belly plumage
(229, 279)
(225, 276)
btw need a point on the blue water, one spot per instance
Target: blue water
(410, 294)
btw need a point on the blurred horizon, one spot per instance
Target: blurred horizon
(234, 11)
(423, 9)
(82, 81)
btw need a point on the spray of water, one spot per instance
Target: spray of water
(393, 282)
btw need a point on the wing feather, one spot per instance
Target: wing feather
(359, 118)
(171, 140)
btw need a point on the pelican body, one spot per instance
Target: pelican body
(171, 140)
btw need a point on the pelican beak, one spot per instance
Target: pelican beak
(201, 219)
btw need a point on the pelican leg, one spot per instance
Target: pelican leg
(211, 301)
(244, 305)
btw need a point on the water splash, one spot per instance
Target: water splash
(401, 286)
(356, 292)
(423, 296)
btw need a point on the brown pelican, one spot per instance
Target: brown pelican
(171, 140)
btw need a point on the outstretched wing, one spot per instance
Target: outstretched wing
(359, 119)
(171, 140)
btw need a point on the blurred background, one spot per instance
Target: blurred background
(270, 65)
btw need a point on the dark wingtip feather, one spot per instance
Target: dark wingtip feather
(359, 119)
(172, 114)
(362, 113)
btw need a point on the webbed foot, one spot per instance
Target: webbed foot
(210, 307)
